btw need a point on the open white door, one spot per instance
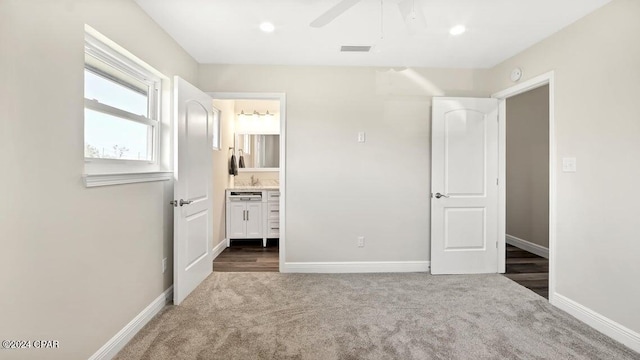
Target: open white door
(464, 188)
(193, 229)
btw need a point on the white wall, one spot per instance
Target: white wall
(528, 166)
(338, 189)
(596, 63)
(76, 264)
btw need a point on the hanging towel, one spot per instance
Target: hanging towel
(241, 161)
(233, 166)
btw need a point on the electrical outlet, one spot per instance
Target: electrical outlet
(360, 241)
(164, 265)
(362, 137)
(569, 164)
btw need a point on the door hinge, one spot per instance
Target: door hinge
(496, 244)
(498, 182)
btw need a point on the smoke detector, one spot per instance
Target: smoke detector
(516, 74)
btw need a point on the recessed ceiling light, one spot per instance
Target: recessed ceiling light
(267, 27)
(457, 30)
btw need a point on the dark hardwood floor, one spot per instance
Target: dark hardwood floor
(248, 256)
(528, 270)
(523, 267)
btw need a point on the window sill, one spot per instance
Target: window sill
(95, 180)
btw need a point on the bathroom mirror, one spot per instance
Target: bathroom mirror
(260, 152)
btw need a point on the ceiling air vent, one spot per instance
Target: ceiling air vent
(355, 48)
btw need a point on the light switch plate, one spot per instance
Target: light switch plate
(361, 137)
(569, 164)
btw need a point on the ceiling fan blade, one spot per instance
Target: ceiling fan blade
(333, 13)
(413, 16)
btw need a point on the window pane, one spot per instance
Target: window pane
(110, 137)
(111, 93)
(216, 130)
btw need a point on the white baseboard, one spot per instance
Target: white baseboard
(116, 343)
(218, 249)
(528, 246)
(357, 267)
(599, 322)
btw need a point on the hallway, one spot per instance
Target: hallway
(528, 270)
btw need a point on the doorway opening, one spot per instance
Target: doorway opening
(527, 174)
(251, 170)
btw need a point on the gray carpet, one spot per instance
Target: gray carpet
(367, 316)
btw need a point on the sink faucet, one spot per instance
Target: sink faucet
(254, 181)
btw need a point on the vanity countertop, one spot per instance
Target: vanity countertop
(257, 187)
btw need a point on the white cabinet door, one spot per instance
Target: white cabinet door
(254, 220)
(236, 225)
(245, 220)
(193, 228)
(464, 203)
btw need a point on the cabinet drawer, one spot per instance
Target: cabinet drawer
(273, 229)
(273, 211)
(273, 195)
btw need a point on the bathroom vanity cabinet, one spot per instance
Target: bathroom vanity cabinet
(245, 220)
(252, 214)
(272, 214)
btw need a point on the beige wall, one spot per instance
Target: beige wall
(76, 264)
(528, 166)
(221, 178)
(596, 92)
(337, 188)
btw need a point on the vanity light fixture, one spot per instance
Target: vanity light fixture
(457, 30)
(256, 113)
(267, 27)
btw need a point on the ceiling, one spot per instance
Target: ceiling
(227, 31)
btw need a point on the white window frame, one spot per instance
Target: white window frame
(217, 137)
(98, 171)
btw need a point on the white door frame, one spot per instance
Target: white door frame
(282, 97)
(502, 96)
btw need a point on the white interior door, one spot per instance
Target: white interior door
(193, 228)
(464, 188)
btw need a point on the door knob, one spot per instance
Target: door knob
(438, 196)
(182, 202)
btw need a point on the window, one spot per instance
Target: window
(121, 110)
(244, 140)
(216, 129)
